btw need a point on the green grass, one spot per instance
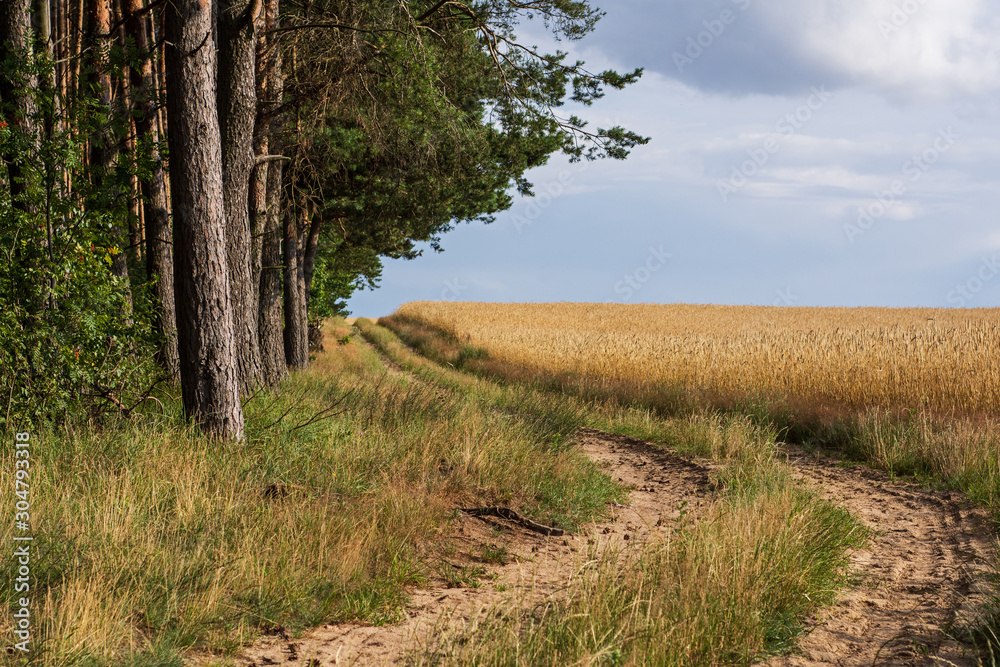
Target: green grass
(153, 541)
(953, 453)
(726, 589)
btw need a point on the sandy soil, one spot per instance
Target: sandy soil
(923, 571)
(539, 566)
(919, 574)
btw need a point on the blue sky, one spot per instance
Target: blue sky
(804, 152)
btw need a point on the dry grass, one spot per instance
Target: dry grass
(938, 360)
(725, 589)
(912, 391)
(152, 542)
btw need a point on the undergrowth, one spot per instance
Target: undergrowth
(947, 452)
(727, 589)
(152, 542)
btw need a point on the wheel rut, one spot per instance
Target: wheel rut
(666, 488)
(918, 582)
(922, 572)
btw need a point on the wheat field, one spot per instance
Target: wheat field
(944, 361)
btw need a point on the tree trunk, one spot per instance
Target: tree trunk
(309, 256)
(293, 245)
(302, 326)
(271, 336)
(61, 51)
(43, 12)
(261, 142)
(156, 211)
(77, 38)
(51, 173)
(270, 319)
(209, 381)
(18, 106)
(237, 103)
(17, 97)
(104, 146)
(296, 326)
(258, 208)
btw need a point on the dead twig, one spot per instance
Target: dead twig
(328, 412)
(511, 515)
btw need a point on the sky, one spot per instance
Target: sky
(803, 153)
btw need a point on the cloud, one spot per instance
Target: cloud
(904, 49)
(895, 89)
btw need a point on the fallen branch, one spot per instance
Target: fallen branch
(328, 413)
(511, 515)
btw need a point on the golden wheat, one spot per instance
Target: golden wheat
(941, 360)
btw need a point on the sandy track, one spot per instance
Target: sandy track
(919, 574)
(922, 572)
(540, 567)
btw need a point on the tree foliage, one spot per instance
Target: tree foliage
(72, 337)
(430, 120)
(380, 126)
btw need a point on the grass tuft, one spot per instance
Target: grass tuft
(726, 589)
(153, 541)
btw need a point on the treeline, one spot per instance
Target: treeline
(188, 185)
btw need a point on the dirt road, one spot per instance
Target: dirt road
(922, 572)
(918, 575)
(538, 566)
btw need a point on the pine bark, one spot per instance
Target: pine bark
(43, 12)
(19, 107)
(209, 380)
(271, 276)
(156, 209)
(309, 255)
(261, 142)
(296, 328)
(293, 243)
(237, 104)
(104, 146)
(258, 207)
(76, 31)
(61, 50)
